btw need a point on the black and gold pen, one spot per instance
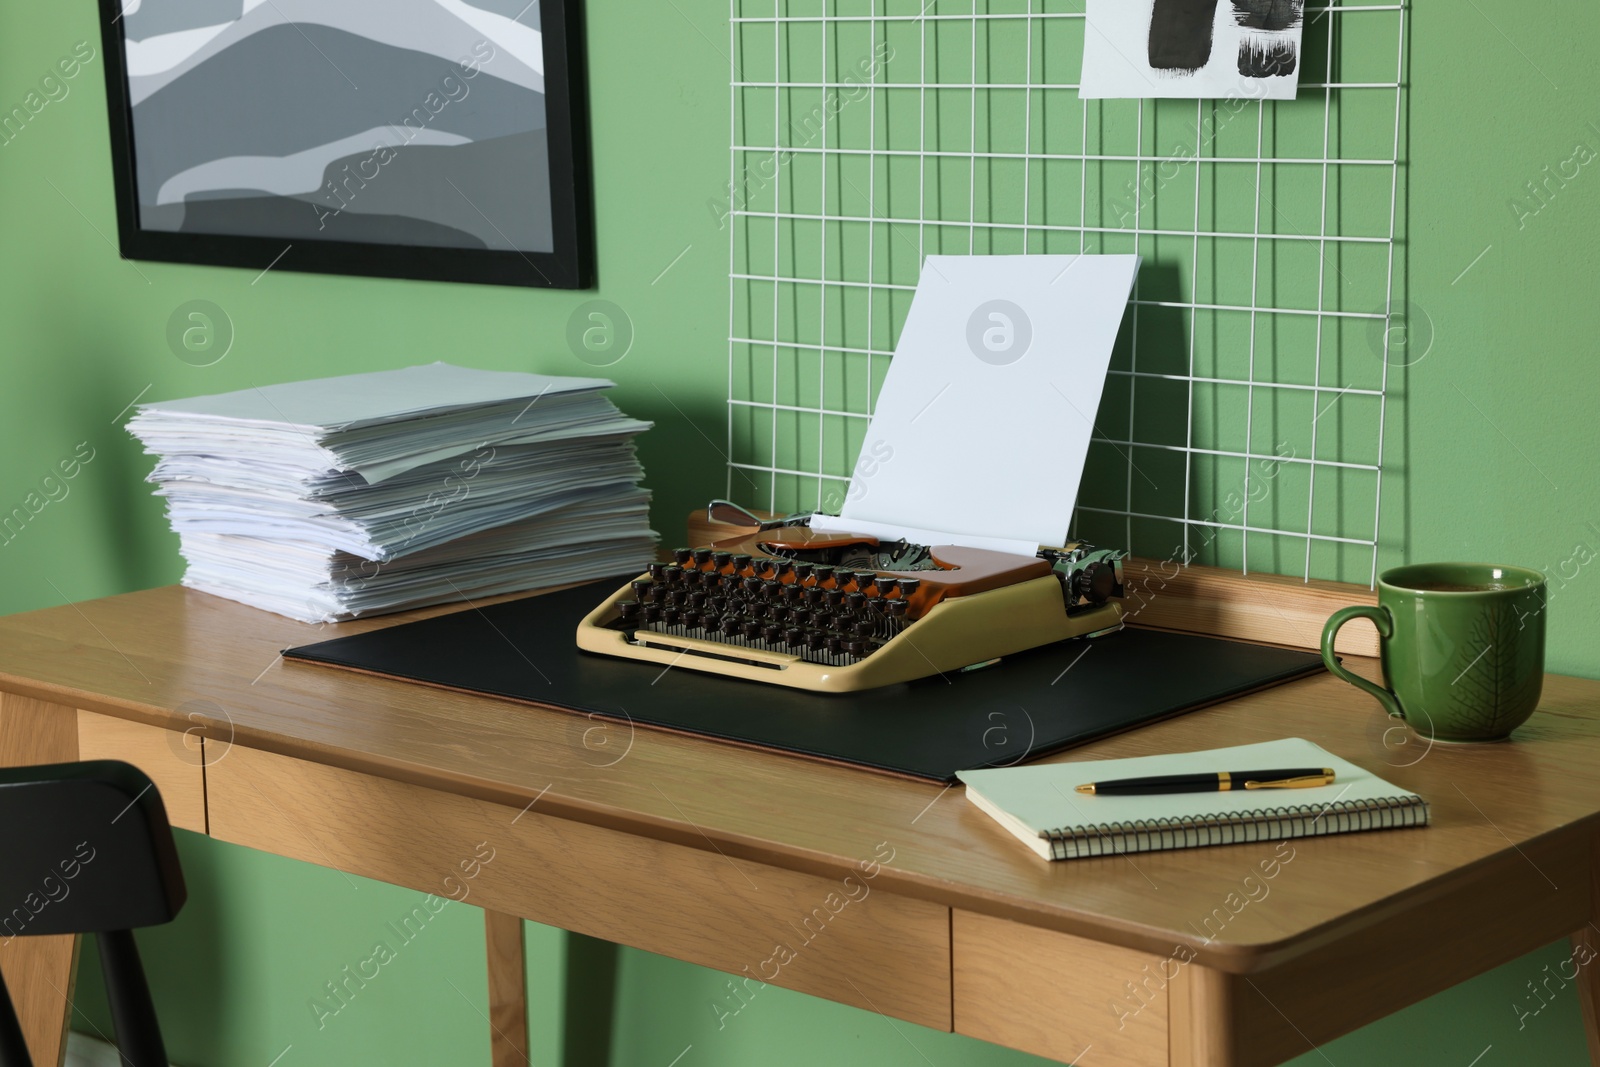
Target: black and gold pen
(1214, 782)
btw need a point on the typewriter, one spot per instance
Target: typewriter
(839, 612)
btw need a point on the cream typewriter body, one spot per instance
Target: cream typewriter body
(841, 612)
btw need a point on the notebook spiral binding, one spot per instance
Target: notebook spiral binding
(1229, 828)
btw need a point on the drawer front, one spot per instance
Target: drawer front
(1059, 996)
(174, 761)
(844, 939)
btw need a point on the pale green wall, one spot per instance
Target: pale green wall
(1494, 454)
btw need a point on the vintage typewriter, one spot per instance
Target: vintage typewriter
(834, 612)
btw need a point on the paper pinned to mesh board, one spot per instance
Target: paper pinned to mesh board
(1206, 49)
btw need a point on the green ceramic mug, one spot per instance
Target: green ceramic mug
(1462, 647)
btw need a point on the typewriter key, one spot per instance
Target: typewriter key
(771, 632)
(702, 556)
(909, 586)
(823, 572)
(751, 587)
(816, 640)
(815, 596)
(740, 562)
(651, 613)
(835, 597)
(834, 644)
(897, 609)
(779, 612)
(802, 571)
(708, 620)
(730, 625)
(887, 585)
(752, 630)
(856, 647)
(794, 636)
(641, 588)
(720, 559)
(674, 574)
(697, 600)
(854, 601)
(683, 555)
(629, 610)
(785, 568)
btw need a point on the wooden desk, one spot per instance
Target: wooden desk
(889, 895)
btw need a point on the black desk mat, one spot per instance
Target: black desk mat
(1026, 706)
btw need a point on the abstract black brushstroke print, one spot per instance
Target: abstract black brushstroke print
(1265, 58)
(1269, 48)
(1181, 34)
(1268, 14)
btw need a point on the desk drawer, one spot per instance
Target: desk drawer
(849, 942)
(1058, 996)
(172, 760)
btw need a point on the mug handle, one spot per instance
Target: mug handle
(1380, 619)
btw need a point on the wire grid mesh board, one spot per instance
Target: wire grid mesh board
(1243, 421)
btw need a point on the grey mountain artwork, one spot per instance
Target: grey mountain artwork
(407, 122)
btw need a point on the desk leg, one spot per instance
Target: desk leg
(1200, 1019)
(508, 990)
(1586, 944)
(1586, 949)
(39, 970)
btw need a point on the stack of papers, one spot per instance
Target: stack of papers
(328, 499)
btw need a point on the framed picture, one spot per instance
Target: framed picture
(439, 139)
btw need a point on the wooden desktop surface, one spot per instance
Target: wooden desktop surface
(1506, 865)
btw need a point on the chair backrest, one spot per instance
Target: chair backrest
(86, 848)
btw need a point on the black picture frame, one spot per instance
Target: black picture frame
(569, 265)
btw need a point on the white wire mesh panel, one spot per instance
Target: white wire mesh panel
(1243, 421)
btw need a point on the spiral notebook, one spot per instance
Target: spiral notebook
(1040, 806)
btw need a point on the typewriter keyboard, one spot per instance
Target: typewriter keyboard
(822, 614)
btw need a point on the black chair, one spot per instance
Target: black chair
(86, 848)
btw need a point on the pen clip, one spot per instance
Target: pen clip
(1310, 781)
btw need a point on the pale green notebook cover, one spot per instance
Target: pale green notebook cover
(1039, 804)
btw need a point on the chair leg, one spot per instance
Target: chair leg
(13, 1047)
(132, 1013)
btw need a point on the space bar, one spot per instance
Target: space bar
(714, 648)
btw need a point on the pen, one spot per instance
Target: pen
(1214, 782)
